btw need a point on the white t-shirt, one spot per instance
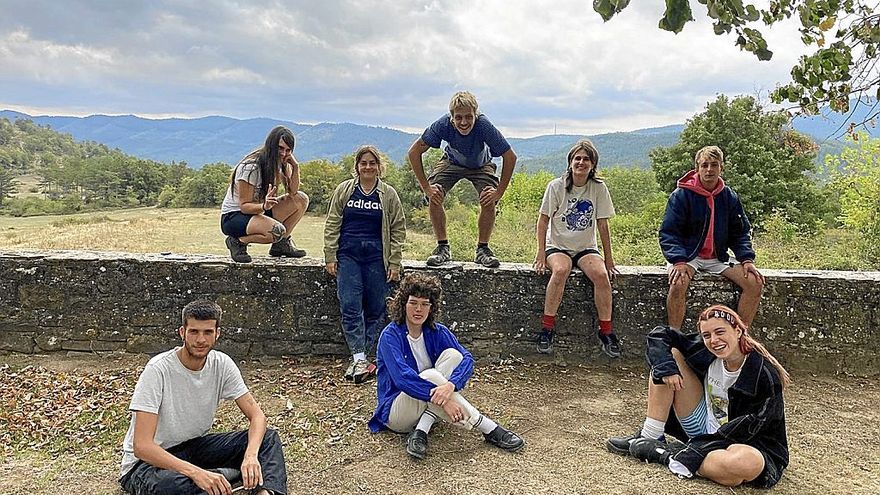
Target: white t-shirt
(420, 352)
(718, 380)
(573, 214)
(185, 400)
(249, 172)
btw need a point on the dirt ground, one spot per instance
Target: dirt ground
(565, 412)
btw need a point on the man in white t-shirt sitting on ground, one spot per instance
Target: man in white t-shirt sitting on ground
(168, 449)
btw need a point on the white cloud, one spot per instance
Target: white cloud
(394, 63)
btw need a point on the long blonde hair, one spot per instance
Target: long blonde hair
(747, 343)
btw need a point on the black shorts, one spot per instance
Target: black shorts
(575, 257)
(235, 223)
(769, 476)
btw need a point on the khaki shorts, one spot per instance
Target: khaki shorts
(712, 266)
(447, 175)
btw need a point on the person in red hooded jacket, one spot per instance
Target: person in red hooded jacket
(704, 219)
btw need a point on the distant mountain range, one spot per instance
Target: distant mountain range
(224, 139)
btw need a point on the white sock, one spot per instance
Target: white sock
(426, 422)
(360, 356)
(653, 429)
(485, 425)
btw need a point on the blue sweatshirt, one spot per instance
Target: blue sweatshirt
(398, 372)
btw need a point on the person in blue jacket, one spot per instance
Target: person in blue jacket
(721, 391)
(704, 218)
(421, 370)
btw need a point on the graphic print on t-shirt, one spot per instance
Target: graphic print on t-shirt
(718, 404)
(579, 214)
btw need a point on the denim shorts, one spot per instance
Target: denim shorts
(235, 223)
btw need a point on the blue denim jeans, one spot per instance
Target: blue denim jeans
(216, 450)
(361, 284)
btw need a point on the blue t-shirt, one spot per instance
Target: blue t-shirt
(471, 151)
(362, 218)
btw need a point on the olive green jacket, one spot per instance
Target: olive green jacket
(393, 223)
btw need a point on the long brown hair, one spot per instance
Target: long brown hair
(747, 343)
(416, 284)
(267, 158)
(587, 146)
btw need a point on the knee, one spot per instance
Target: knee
(433, 376)
(303, 199)
(747, 463)
(169, 483)
(754, 285)
(271, 437)
(559, 275)
(451, 356)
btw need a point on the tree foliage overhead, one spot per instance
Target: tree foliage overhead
(769, 165)
(844, 33)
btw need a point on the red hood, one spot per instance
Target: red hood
(691, 181)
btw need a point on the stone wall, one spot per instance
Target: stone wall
(95, 302)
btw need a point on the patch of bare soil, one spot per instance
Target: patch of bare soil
(564, 412)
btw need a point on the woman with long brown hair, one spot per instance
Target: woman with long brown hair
(253, 211)
(725, 390)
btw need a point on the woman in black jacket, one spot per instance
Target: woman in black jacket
(725, 390)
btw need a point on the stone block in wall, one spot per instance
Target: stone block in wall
(92, 346)
(283, 347)
(17, 342)
(149, 344)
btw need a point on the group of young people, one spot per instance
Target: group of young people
(725, 389)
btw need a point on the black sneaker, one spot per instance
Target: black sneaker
(620, 445)
(442, 254)
(610, 345)
(238, 250)
(286, 248)
(505, 439)
(486, 257)
(417, 444)
(545, 341)
(650, 450)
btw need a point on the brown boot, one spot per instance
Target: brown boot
(285, 248)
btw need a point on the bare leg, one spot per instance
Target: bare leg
(661, 397)
(438, 220)
(560, 269)
(259, 230)
(485, 223)
(594, 267)
(751, 287)
(291, 210)
(732, 466)
(675, 302)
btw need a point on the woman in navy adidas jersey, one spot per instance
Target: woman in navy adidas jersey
(363, 248)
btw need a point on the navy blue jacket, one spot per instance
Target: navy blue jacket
(756, 408)
(686, 224)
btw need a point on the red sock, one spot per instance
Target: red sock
(605, 327)
(548, 322)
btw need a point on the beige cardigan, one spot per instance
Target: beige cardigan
(393, 223)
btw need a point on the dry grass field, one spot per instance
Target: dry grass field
(156, 230)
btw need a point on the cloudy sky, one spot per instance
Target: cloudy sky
(534, 65)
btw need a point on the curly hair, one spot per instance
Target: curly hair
(419, 285)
